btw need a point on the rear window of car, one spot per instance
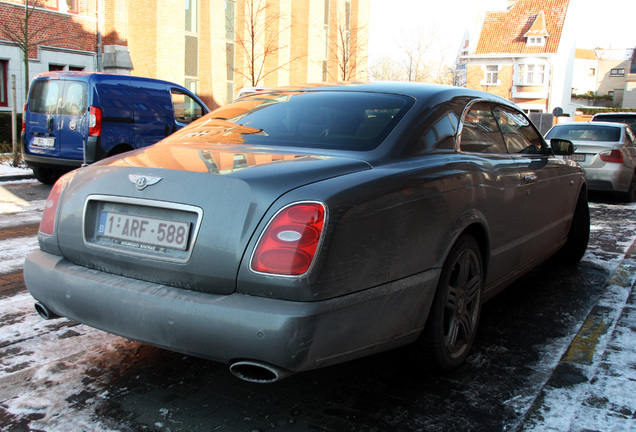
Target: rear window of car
(585, 132)
(617, 118)
(338, 120)
(58, 97)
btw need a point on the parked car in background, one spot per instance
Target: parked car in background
(607, 153)
(299, 228)
(75, 118)
(629, 118)
(248, 91)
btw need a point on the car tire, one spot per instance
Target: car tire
(630, 195)
(578, 236)
(46, 176)
(452, 322)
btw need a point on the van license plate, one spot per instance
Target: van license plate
(45, 142)
(137, 231)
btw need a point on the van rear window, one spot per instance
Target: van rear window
(58, 97)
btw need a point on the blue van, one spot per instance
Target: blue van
(76, 118)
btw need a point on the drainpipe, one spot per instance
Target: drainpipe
(99, 37)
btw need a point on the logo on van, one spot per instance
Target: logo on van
(142, 182)
(72, 125)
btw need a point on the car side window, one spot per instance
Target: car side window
(481, 132)
(186, 109)
(519, 135)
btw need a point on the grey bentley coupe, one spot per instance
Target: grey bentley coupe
(302, 227)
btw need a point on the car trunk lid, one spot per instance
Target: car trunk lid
(190, 212)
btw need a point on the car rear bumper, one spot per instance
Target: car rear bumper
(611, 178)
(291, 335)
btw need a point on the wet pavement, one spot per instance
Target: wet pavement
(555, 351)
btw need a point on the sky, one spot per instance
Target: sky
(600, 23)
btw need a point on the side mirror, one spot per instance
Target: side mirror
(561, 147)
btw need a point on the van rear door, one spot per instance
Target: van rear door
(57, 119)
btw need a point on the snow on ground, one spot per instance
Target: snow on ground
(53, 357)
(6, 168)
(13, 251)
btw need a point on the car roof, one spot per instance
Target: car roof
(612, 114)
(414, 89)
(592, 124)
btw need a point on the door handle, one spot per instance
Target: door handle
(530, 178)
(49, 124)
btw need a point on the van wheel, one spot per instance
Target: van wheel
(46, 175)
(452, 322)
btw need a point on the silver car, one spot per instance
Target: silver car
(302, 227)
(607, 153)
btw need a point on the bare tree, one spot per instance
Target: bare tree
(387, 68)
(27, 37)
(347, 49)
(259, 40)
(424, 57)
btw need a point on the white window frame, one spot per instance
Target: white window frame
(532, 74)
(535, 41)
(617, 72)
(491, 77)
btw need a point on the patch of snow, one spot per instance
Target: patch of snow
(13, 251)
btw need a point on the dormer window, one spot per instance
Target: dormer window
(536, 41)
(538, 32)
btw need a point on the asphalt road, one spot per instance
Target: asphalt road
(127, 386)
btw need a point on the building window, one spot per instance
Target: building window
(492, 75)
(191, 27)
(532, 74)
(71, 6)
(230, 17)
(592, 72)
(610, 93)
(66, 5)
(325, 66)
(536, 41)
(4, 100)
(191, 16)
(617, 72)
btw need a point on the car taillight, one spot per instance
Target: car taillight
(47, 224)
(290, 241)
(614, 156)
(95, 121)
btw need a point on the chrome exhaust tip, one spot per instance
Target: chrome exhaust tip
(45, 312)
(257, 372)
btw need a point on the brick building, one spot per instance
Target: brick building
(203, 44)
(524, 54)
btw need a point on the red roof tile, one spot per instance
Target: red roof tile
(504, 32)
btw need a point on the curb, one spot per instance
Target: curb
(584, 355)
(7, 178)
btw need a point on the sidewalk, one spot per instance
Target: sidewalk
(9, 173)
(593, 387)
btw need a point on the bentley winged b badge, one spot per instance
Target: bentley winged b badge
(142, 181)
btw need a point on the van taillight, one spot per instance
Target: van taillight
(47, 224)
(95, 121)
(290, 241)
(23, 116)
